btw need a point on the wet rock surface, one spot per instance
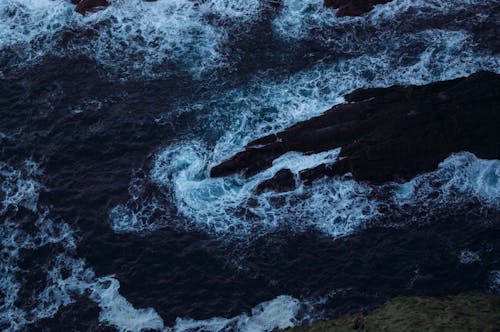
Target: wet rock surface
(282, 181)
(386, 134)
(89, 6)
(353, 7)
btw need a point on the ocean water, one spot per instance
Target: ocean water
(110, 123)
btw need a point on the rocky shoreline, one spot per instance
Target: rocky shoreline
(385, 134)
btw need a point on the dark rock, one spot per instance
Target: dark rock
(353, 7)
(89, 6)
(282, 181)
(390, 133)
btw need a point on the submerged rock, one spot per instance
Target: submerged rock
(282, 181)
(387, 134)
(89, 6)
(353, 7)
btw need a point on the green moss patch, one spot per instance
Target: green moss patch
(419, 314)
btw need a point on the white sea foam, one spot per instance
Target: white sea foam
(115, 309)
(67, 275)
(135, 37)
(279, 313)
(228, 206)
(130, 36)
(282, 312)
(460, 177)
(32, 24)
(300, 19)
(118, 312)
(20, 187)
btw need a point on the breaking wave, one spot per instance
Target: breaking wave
(460, 178)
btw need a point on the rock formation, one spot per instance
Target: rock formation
(86, 6)
(353, 7)
(386, 134)
(283, 180)
(90, 6)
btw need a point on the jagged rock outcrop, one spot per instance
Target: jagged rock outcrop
(86, 6)
(90, 6)
(283, 180)
(386, 134)
(353, 7)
